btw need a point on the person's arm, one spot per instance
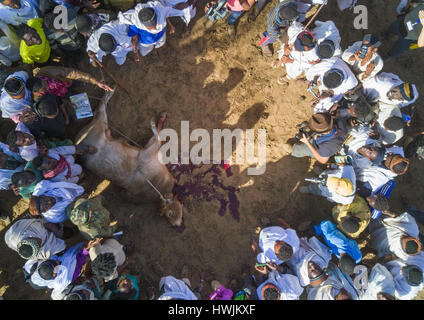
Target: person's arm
(421, 37)
(247, 4)
(134, 42)
(315, 153)
(65, 113)
(171, 26)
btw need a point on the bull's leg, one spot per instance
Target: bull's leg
(154, 142)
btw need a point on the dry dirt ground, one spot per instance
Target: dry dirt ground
(214, 82)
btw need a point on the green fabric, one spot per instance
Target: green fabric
(54, 142)
(98, 223)
(26, 191)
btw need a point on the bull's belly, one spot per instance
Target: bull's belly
(111, 166)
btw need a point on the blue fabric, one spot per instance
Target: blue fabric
(338, 241)
(326, 137)
(234, 16)
(113, 285)
(385, 190)
(145, 37)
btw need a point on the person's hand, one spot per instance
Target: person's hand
(261, 269)
(389, 214)
(104, 86)
(209, 5)
(421, 16)
(137, 57)
(271, 265)
(327, 94)
(92, 243)
(315, 62)
(28, 116)
(304, 139)
(171, 29)
(286, 59)
(287, 50)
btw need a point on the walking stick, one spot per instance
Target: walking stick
(314, 16)
(111, 76)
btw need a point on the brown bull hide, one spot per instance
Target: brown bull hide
(128, 166)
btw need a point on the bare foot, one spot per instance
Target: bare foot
(151, 293)
(184, 272)
(254, 245)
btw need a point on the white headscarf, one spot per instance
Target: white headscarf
(130, 17)
(175, 289)
(64, 193)
(5, 174)
(10, 106)
(379, 280)
(34, 228)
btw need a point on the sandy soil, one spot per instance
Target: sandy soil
(217, 83)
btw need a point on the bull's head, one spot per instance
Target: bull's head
(172, 209)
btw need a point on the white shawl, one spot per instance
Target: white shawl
(27, 153)
(120, 33)
(379, 280)
(376, 89)
(327, 30)
(339, 172)
(309, 250)
(27, 11)
(64, 193)
(10, 106)
(386, 234)
(175, 289)
(27, 228)
(403, 291)
(130, 17)
(330, 287)
(289, 286)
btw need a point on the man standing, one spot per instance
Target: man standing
(111, 38)
(147, 29)
(409, 30)
(34, 46)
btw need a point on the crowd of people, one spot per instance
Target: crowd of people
(360, 133)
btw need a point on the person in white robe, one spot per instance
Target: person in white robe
(303, 7)
(380, 283)
(380, 87)
(9, 46)
(171, 288)
(64, 193)
(10, 14)
(33, 233)
(276, 237)
(301, 60)
(187, 12)
(387, 111)
(331, 288)
(31, 151)
(362, 67)
(11, 106)
(317, 73)
(90, 285)
(120, 33)
(309, 250)
(147, 37)
(407, 275)
(327, 30)
(340, 190)
(397, 236)
(71, 170)
(5, 172)
(288, 286)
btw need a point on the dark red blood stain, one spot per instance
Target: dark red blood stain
(200, 188)
(181, 228)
